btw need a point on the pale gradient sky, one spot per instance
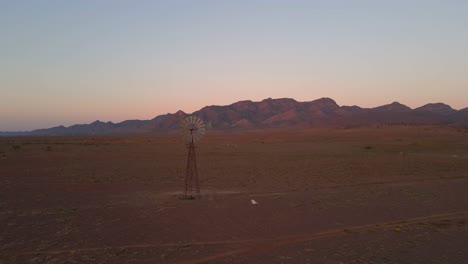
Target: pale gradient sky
(67, 62)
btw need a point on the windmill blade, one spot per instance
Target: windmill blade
(186, 122)
(199, 123)
(184, 128)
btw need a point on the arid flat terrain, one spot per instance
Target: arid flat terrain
(386, 194)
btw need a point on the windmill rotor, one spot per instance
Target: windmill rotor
(192, 128)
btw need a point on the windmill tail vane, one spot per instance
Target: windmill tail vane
(192, 129)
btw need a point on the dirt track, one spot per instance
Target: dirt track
(287, 241)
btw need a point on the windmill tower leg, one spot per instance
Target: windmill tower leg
(188, 173)
(191, 174)
(195, 174)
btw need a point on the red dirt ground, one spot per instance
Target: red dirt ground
(363, 195)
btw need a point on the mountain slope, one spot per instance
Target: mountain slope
(283, 112)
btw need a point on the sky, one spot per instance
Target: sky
(69, 62)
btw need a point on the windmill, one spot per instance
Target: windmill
(192, 129)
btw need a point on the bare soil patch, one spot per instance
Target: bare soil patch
(366, 195)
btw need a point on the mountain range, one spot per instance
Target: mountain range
(271, 113)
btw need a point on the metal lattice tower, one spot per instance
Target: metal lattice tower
(192, 129)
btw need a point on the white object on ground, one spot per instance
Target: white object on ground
(253, 201)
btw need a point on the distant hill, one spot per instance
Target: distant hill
(284, 112)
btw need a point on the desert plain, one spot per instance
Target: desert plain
(377, 194)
